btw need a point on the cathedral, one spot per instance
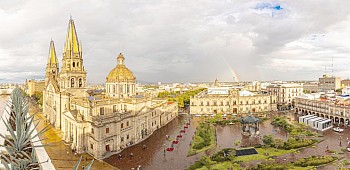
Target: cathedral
(99, 122)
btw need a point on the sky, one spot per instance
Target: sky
(181, 41)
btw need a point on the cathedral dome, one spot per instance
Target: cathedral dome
(120, 73)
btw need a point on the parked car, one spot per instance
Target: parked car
(338, 129)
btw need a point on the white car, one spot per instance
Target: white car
(338, 129)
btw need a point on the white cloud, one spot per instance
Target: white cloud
(177, 41)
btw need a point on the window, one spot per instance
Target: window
(127, 123)
(107, 148)
(107, 130)
(127, 136)
(73, 64)
(121, 139)
(92, 146)
(114, 108)
(72, 82)
(92, 130)
(122, 125)
(102, 111)
(80, 83)
(155, 122)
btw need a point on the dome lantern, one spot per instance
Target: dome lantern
(120, 73)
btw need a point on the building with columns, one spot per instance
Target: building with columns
(99, 122)
(336, 108)
(231, 101)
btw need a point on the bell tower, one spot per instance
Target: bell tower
(52, 64)
(73, 74)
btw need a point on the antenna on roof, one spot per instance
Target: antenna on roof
(332, 68)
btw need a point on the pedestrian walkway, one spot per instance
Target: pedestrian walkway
(60, 154)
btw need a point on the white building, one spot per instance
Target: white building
(285, 93)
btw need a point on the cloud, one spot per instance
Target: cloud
(173, 41)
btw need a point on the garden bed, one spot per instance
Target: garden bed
(203, 139)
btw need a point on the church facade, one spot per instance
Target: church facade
(99, 122)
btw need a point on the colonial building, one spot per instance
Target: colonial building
(285, 93)
(230, 101)
(98, 122)
(335, 108)
(33, 86)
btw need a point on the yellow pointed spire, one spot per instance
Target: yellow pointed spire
(52, 54)
(72, 43)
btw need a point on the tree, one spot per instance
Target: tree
(268, 140)
(278, 143)
(38, 97)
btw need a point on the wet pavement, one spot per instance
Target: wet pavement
(153, 156)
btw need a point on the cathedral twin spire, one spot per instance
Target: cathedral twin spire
(52, 60)
(71, 46)
(72, 74)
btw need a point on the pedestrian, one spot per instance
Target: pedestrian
(75, 153)
(120, 156)
(83, 167)
(143, 146)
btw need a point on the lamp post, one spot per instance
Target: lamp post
(164, 149)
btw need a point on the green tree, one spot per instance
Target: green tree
(268, 140)
(38, 97)
(278, 143)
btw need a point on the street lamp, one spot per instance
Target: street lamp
(164, 149)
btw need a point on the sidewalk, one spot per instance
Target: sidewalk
(60, 154)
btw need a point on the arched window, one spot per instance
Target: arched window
(72, 82)
(80, 83)
(102, 111)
